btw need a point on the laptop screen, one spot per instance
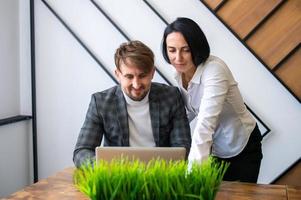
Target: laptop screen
(144, 154)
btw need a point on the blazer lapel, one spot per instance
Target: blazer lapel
(154, 114)
(122, 116)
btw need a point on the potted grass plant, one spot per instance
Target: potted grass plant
(123, 179)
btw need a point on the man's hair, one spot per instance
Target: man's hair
(137, 54)
(194, 37)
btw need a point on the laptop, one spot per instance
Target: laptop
(143, 154)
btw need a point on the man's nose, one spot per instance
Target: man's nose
(136, 83)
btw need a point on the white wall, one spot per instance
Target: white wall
(14, 167)
(24, 57)
(9, 58)
(15, 170)
(67, 75)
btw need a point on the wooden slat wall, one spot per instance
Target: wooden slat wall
(271, 29)
(292, 177)
(279, 35)
(213, 3)
(243, 16)
(290, 73)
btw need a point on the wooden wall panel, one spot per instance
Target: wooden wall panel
(292, 177)
(213, 3)
(279, 35)
(271, 30)
(242, 16)
(290, 73)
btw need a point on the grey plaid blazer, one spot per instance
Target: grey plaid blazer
(107, 118)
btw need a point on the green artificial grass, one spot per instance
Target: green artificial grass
(123, 179)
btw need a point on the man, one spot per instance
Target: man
(135, 113)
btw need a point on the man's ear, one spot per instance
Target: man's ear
(153, 71)
(117, 74)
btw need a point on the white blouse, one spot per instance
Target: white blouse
(223, 123)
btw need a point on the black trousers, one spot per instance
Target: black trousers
(245, 166)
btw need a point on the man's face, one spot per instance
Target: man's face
(134, 82)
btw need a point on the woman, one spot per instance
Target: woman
(224, 127)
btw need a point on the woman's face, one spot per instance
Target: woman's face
(179, 53)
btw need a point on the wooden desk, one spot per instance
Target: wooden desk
(60, 186)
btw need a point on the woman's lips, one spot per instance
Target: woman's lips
(179, 65)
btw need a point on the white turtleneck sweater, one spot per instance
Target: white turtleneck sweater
(140, 128)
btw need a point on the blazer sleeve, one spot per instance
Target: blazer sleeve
(90, 135)
(180, 133)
